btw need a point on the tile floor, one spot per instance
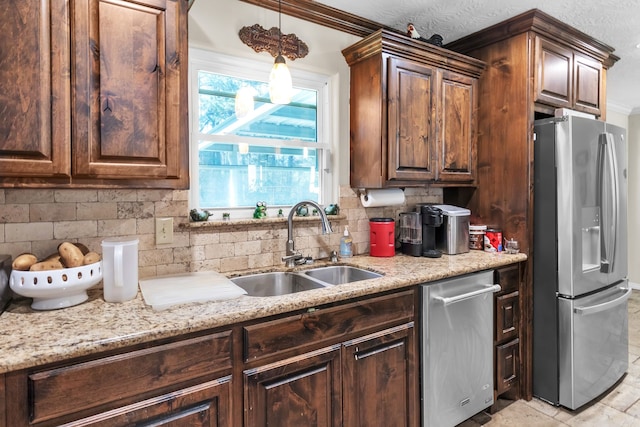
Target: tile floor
(619, 408)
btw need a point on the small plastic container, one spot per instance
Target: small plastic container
(382, 237)
(120, 268)
(476, 236)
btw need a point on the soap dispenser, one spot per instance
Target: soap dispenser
(346, 243)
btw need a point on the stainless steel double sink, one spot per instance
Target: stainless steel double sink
(288, 282)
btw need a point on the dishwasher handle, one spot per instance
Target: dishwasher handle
(486, 289)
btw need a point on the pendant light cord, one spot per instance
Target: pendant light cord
(279, 27)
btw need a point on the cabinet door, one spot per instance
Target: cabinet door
(553, 74)
(507, 366)
(587, 84)
(300, 391)
(411, 115)
(129, 89)
(380, 379)
(456, 127)
(35, 98)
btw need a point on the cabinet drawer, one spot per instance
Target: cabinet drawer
(326, 326)
(207, 404)
(507, 366)
(508, 278)
(507, 316)
(80, 387)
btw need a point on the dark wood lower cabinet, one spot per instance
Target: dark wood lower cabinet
(507, 333)
(365, 373)
(301, 391)
(380, 379)
(179, 383)
(507, 366)
(351, 364)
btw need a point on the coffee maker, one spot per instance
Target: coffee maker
(431, 220)
(418, 231)
(411, 233)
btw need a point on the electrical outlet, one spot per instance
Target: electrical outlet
(164, 231)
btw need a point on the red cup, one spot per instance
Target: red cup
(382, 237)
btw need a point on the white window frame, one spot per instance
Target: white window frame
(203, 60)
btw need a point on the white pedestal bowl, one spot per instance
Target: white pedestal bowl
(53, 289)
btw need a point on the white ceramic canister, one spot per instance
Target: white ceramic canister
(120, 268)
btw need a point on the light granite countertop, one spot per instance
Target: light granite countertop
(30, 338)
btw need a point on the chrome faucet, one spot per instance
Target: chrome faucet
(291, 255)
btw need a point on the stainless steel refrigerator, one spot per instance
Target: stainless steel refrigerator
(580, 286)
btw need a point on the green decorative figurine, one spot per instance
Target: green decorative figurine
(302, 210)
(260, 211)
(197, 215)
(332, 209)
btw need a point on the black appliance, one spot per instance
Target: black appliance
(431, 220)
(5, 290)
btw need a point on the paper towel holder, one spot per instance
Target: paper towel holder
(364, 191)
(380, 197)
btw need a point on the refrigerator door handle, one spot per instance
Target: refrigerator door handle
(609, 224)
(452, 300)
(616, 199)
(597, 308)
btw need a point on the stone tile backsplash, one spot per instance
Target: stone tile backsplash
(37, 221)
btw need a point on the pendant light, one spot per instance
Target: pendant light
(244, 103)
(280, 85)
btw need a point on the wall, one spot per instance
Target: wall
(634, 199)
(37, 221)
(620, 117)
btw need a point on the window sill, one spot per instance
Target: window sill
(255, 222)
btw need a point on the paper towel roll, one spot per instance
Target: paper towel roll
(384, 197)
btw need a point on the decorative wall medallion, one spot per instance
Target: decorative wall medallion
(262, 40)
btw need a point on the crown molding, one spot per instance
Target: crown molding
(321, 14)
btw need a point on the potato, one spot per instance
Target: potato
(24, 261)
(53, 256)
(83, 248)
(90, 258)
(71, 255)
(47, 265)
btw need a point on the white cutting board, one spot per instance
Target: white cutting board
(163, 292)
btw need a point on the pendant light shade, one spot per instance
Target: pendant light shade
(244, 103)
(280, 85)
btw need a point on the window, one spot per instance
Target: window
(277, 154)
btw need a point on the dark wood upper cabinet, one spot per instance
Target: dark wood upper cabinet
(35, 125)
(554, 71)
(98, 96)
(588, 85)
(457, 127)
(566, 79)
(412, 113)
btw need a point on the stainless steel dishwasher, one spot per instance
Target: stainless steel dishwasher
(457, 348)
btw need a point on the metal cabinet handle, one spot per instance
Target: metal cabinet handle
(452, 300)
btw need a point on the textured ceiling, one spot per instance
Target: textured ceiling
(613, 22)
